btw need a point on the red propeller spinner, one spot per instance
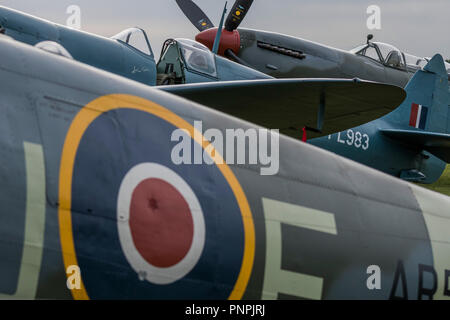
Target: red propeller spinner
(229, 40)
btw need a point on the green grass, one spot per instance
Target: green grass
(442, 185)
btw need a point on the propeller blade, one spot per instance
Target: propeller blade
(237, 14)
(193, 12)
(219, 31)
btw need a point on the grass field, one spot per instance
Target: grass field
(443, 184)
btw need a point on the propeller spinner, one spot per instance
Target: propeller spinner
(230, 40)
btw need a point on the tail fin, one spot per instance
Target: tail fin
(423, 118)
(426, 107)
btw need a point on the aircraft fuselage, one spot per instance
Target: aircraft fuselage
(86, 156)
(269, 52)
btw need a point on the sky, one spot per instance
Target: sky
(417, 27)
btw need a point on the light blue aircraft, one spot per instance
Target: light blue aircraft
(413, 141)
(128, 54)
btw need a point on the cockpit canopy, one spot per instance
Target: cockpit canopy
(383, 53)
(392, 57)
(135, 38)
(197, 57)
(185, 61)
(414, 61)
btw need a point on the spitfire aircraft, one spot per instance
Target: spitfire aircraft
(128, 53)
(94, 207)
(283, 56)
(412, 142)
(387, 143)
(184, 61)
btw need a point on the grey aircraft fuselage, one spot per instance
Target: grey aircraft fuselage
(86, 159)
(271, 53)
(284, 56)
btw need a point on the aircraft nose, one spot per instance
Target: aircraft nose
(229, 40)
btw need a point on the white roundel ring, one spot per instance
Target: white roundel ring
(160, 223)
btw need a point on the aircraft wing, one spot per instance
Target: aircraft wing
(324, 106)
(437, 144)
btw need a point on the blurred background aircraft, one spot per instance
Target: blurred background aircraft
(344, 21)
(398, 23)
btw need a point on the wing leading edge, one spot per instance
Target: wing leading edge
(324, 106)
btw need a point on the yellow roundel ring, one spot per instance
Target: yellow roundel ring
(76, 131)
(238, 13)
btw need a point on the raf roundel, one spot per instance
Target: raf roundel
(140, 226)
(160, 222)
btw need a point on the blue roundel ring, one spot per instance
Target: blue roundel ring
(140, 226)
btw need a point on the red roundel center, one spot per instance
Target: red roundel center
(161, 223)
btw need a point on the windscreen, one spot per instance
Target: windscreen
(136, 38)
(197, 57)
